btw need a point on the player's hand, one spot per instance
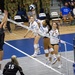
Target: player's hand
(5, 11)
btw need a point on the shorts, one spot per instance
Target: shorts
(45, 37)
(1, 41)
(54, 44)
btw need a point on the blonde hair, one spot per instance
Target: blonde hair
(14, 60)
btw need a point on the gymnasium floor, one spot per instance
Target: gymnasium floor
(38, 66)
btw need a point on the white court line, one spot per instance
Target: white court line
(34, 59)
(67, 59)
(66, 54)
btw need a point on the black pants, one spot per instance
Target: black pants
(2, 36)
(8, 24)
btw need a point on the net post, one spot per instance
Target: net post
(74, 47)
(74, 54)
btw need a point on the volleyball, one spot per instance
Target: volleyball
(32, 6)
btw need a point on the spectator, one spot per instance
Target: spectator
(71, 5)
(35, 2)
(12, 67)
(70, 1)
(74, 11)
(2, 5)
(65, 12)
(22, 13)
(63, 1)
(11, 6)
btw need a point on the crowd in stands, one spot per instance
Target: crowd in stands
(70, 4)
(68, 10)
(14, 8)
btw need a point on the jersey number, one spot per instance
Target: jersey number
(11, 66)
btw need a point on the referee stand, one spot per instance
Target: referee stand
(74, 55)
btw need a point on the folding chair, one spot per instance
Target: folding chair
(18, 19)
(55, 17)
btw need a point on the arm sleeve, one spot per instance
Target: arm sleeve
(21, 71)
(5, 68)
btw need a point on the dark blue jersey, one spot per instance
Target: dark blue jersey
(1, 31)
(11, 69)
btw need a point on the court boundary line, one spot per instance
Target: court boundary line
(67, 59)
(34, 58)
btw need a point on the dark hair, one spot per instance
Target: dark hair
(57, 26)
(48, 23)
(13, 1)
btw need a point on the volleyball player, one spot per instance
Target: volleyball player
(44, 27)
(46, 41)
(33, 25)
(54, 34)
(12, 67)
(2, 35)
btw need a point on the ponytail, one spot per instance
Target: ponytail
(14, 60)
(48, 23)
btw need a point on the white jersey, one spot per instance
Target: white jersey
(54, 36)
(34, 26)
(43, 30)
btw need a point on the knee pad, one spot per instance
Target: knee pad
(50, 55)
(0, 61)
(58, 56)
(35, 45)
(38, 45)
(46, 51)
(51, 50)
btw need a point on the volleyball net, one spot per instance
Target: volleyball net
(66, 56)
